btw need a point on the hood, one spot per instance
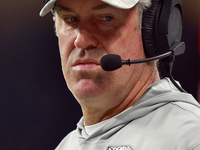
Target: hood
(156, 96)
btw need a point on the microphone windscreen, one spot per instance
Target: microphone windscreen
(111, 62)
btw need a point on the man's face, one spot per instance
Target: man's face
(88, 30)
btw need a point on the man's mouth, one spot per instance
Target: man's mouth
(85, 64)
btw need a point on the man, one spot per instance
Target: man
(126, 109)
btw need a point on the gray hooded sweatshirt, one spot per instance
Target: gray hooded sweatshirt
(162, 119)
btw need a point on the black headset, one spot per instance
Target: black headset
(162, 32)
(161, 26)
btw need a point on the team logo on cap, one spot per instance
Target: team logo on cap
(119, 148)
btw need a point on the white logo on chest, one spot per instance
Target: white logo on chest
(119, 148)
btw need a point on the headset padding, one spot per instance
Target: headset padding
(148, 25)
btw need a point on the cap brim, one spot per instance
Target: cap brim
(122, 4)
(47, 8)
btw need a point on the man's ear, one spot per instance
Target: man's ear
(54, 18)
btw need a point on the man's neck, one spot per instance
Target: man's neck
(96, 115)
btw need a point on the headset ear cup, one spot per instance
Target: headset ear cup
(148, 25)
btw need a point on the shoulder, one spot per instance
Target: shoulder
(188, 109)
(175, 123)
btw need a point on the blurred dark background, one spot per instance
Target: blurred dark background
(36, 108)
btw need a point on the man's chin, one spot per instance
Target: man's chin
(86, 90)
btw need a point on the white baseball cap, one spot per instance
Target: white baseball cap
(123, 4)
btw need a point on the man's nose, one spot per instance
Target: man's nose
(85, 38)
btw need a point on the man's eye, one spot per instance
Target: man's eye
(106, 18)
(71, 19)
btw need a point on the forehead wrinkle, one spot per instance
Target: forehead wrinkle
(63, 8)
(95, 8)
(101, 6)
